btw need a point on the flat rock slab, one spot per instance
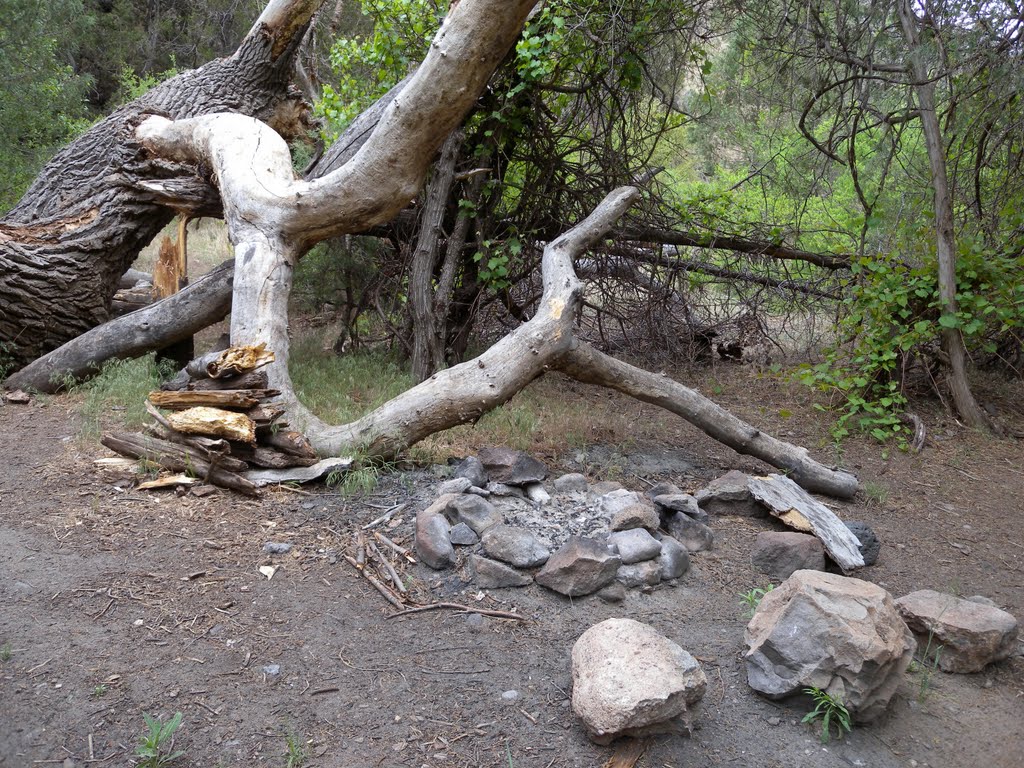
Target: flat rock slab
(647, 573)
(573, 482)
(503, 465)
(681, 502)
(972, 635)
(472, 469)
(613, 502)
(629, 680)
(832, 632)
(730, 495)
(792, 504)
(475, 511)
(490, 574)
(515, 546)
(781, 553)
(581, 567)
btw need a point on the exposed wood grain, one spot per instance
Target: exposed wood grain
(217, 422)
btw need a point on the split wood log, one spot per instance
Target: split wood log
(783, 497)
(130, 299)
(216, 452)
(170, 481)
(177, 458)
(202, 420)
(324, 467)
(217, 398)
(291, 442)
(268, 458)
(251, 380)
(235, 361)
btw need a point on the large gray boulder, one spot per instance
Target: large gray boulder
(674, 559)
(490, 574)
(581, 567)
(635, 545)
(972, 634)
(836, 633)
(475, 511)
(629, 680)
(473, 470)
(692, 534)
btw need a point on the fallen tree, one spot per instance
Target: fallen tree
(274, 218)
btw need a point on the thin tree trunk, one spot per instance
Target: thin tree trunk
(424, 259)
(945, 245)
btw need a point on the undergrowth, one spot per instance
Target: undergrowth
(119, 393)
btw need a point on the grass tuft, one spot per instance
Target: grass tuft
(119, 392)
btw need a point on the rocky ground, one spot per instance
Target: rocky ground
(118, 602)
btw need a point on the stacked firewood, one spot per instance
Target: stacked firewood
(217, 423)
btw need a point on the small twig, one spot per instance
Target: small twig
(385, 517)
(39, 666)
(377, 585)
(360, 550)
(392, 573)
(319, 691)
(461, 609)
(396, 547)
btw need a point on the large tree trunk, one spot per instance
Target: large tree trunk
(101, 199)
(274, 218)
(945, 243)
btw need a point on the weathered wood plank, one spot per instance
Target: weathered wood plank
(783, 498)
(217, 398)
(261, 477)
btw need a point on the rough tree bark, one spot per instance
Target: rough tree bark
(274, 218)
(101, 199)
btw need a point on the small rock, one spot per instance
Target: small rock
(869, 543)
(472, 469)
(455, 485)
(681, 502)
(18, 397)
(510, 467)
(774, 720)
(661, 489)
(476, 512)
(475, 622)
(693, 535)
(581, 567)
(536, 493)
(613, 593)
(490, 574)
(639, 574)
(477, 491)
(573, 482)
(272, 670)
(277, 548)
(432, 542)
(635, 545)
(510, 696)
(462, 535)
(730, 495)
(605, 486)
(674, 559)
(500, 489)
(514, 545)
(781, 553)
(616, 501)
(635, 516)
(628, 680)
(972, 634)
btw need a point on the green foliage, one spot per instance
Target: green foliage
(751, 599)
(99, 691)
(132, 86)
(831, 711)
(926, 664)
(121, 387)
(893, 319)
(155, 748)
(6, 652)
(41, 96)
(296, 756)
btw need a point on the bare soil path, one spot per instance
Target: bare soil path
(116, 602)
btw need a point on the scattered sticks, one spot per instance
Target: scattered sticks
(461, 609)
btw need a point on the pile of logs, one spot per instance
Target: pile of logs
(216, 424)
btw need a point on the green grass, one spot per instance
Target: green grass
(6, 652)
(341, 389)
(751, 599)
(118, 394)
(156, 746)
(830, 711)
(296, 756)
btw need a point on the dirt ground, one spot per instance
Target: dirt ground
(118, 602)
